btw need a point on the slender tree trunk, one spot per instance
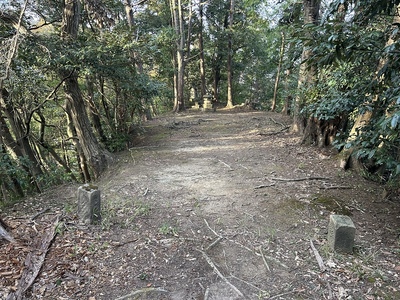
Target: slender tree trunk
(229, 103)
(278, 72)
(217, 59)
(22, 146)
(6, 138)
(308, 73)
(94, 113)
(203, 89)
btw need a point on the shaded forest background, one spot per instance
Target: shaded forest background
(78, 78)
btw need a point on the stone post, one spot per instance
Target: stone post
(207, 103)
(89, 204)
(341, 233)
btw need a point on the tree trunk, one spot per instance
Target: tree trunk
(94, 113)
(217, 58)
(363, 119)
(229, 103)
(177, 21)
(95, 155)
(21, 146)
(203, 89)
(278, 72)
(80, 156)
(307, 74)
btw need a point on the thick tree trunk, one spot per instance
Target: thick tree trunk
(95, 155)
(307, 74)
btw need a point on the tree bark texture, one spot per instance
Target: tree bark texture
(95, 155)
(307, 74)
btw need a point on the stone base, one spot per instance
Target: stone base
(341, 233)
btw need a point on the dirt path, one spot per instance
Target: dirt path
(217, 206)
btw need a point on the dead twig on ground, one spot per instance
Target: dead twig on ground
(279, 123)
(214, 243)
(214, 267)
(213, 231)
(40, 213)
(142, 291)
(264, 186)
(336, 187)
(300, 179)
(318, 257)
(225, 164)
(275, 261)
(274, 132)
(264, 260)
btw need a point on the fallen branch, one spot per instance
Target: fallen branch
(142, 291)
(264, 186)
(336, 187)
(318, 257)
(279, 123)
(275, 132)
(213, 231)
(34, 262)
(214, 243)
(225, 164)
(275, 261)
(300, 179)
(210, 262)
(206, 293)
(40, 213)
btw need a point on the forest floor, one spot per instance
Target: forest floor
(219, 205)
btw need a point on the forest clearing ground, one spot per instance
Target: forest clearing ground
(222, 205)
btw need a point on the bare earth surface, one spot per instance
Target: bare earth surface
(223, 205)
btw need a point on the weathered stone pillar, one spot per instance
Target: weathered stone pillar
(341, 233)
(89, 204)
(207, 103)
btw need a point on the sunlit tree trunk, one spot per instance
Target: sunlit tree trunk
(203, 89)
(229, 103)
(278, 72)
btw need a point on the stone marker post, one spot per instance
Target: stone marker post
(89, 204)
(207, 103)
(341, 233)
